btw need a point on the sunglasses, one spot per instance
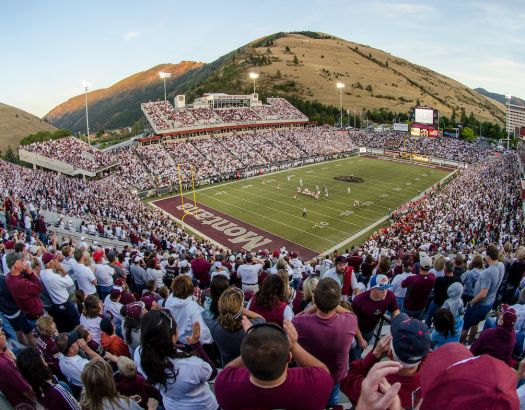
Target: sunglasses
(165, 315)
(270, 325)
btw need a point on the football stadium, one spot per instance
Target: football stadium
(304, 223)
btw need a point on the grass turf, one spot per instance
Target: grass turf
(329, 221)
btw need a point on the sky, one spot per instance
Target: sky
(48, 47)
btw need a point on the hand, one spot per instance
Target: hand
(363, 344)
(376, 392)
(136, 398)
(110, 357)
(152, 404)
(195, 334)
(82, 344)
(291, 332)
(383, 347)
(246, 323)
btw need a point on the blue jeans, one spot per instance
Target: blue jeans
(295, 283)
(335, 395)
(8, 329)
(400, 302)
(430, 313)
(490, 323)
(415, 314)
(103, 291)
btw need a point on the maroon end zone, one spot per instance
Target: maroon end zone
(230, 232)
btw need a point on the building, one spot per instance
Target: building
(516, 118)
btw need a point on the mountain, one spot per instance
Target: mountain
(304, 65)
(118, 105)
(500, 97)
(16, 124)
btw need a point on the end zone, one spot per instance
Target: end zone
(226, 230)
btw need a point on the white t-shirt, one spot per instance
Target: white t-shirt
(85, 277)
(93, 325)
(249, 274)
(298, 268)
(104, 274)
(399, 291)
(112, 309)
(56, 285)
(72, 368)
(191, 389)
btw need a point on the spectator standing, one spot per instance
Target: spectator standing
(249, 273)
(418, 289)
(344, 276)
(369, 307)
(440, 290)
(470, 277)
(326, 331)
(84, 273)
(58, 282)
(399, 291)
(104, 274)
(485, 292)
(201, 270)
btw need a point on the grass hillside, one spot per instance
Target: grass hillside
(305, 65)
(373, 78)
(16, 124)
(501, 97)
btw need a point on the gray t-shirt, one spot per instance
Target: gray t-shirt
(490, 279)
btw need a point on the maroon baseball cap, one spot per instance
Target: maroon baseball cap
(508, 316)
(148, 300)
(47, 257)
(115, 292)
(134, 310)
(452, 378)
(120, 282)
(9, 245)
(276, 253)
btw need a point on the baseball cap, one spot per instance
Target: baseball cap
(120, 282)
(47, 257)
(409, 338)
(137, 259)
(508, 316)
(134, 310)
(72, 337)
(450, 379)
(340, 259)
(218, 264)
(9, 245)
(379, 282)
(148, 301)
(11, 258)
(425, 262)
(115, 292)
(293, 255)
(276, 253)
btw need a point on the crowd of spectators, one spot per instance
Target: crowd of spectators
(479, 206)
(74, 152)
(163, 116)
(131, 169)
(150, 327)
(440, 147)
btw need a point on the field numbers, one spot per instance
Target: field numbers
(321, 225)
(346, 213)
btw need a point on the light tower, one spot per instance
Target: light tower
(86, 85)
(507, 99)
(164, 76)
(340, 86)
(254, 76)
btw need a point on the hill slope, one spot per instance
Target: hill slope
(118, 105)
(306, 65)
(16, 124)
(500, 97)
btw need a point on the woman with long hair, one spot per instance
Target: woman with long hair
(271, 301)
(91, 316)
(309, 286)
(48, 391)
(227, 330)
(100, 391)
(182, 379)
(218, 285)
(444, 332)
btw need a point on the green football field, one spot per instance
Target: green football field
(268, 201)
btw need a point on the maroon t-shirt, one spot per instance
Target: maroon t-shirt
(12, 383)
(201, 271)
(328, 340)
(49, 351)
(304, 389)
(355, 262)
(418, 289)
(369, 312)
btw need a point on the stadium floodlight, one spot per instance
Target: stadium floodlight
(164, 76)
(508, 97)
(86, 85)
(254, 76)
(340, 86)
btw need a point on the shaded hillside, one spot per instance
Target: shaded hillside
(305, 65)
(500, 97)
(119, 105)
(16, 124)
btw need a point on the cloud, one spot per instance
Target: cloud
(130, 35)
